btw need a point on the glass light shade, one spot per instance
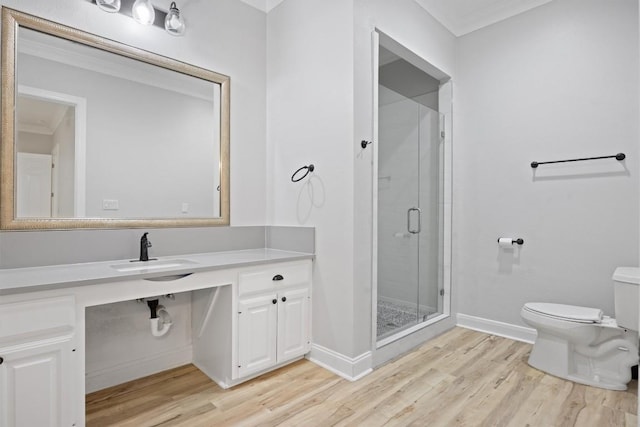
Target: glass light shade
(143, 12)
(173, 23)
(109, 5)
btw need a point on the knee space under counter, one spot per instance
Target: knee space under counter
(119, 346)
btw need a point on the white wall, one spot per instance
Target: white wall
(310, 116)
(64, 139)
(121, 347)
(319, 108)
(557, 82)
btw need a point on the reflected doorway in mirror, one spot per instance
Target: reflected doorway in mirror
(54, 124)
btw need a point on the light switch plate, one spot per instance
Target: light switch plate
(110, 205)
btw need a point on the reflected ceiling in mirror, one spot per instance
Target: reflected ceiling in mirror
(97, 134)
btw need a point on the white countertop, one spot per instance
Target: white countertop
(30, 279)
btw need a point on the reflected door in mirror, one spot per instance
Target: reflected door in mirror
(34, 185)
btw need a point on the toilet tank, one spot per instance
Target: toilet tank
(626, 281)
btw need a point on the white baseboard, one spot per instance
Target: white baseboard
(351, 369)
(501, 329)
(134, 369)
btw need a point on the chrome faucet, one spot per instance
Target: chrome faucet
(144, 244)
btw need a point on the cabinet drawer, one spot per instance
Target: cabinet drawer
(273, 277)
(30, 317)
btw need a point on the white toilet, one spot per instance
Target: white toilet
(581, 344)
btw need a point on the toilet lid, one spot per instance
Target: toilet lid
(568, 312)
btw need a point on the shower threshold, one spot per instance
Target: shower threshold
(396, 317)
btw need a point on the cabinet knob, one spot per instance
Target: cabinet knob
(278, 277)
(1, 360)
(275, 300)
(284, 299)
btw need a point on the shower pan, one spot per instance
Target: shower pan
(410, 222)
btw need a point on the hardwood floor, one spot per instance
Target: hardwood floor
(461, 378)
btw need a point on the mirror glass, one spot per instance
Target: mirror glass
(109, 136)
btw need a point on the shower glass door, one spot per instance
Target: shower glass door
(410, 211)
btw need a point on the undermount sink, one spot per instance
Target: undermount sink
(152, 265)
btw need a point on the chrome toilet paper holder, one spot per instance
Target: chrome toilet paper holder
(518, 241)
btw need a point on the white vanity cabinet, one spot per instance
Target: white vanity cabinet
(273, 316)
(257, 333)
(37, 350)
(250, 313)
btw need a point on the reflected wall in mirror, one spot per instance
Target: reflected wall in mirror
(97, 134)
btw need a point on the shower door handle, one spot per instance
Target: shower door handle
(409, 220)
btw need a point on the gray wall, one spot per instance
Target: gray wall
(38, 248)
(559, 81)
(215, 35)
(319, 108)
(310, 109)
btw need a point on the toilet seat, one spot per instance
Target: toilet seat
(569, 313)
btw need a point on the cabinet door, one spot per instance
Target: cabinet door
(36, 387)
(293, 324)
(257, 320)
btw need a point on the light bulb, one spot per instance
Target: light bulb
(173, 23)
(109, 5)
(143, 12)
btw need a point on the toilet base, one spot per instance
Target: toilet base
(580, 380)
(605, 365)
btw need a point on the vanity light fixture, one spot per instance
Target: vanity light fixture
(111, 6)
(143, 12)
(173, 23)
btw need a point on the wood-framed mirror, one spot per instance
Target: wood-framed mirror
(98, 134)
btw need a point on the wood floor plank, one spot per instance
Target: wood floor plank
(499, 399)
(331, 414)
(461, 378)
(445, 402)
(409, 392)
(542, 408)
(600, 416)
(316, 401)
